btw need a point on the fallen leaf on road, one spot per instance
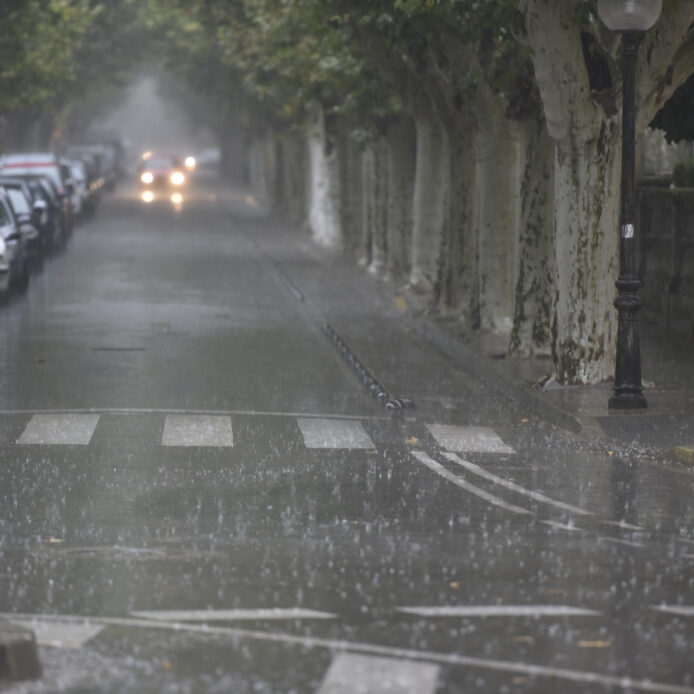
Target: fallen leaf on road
(54, 540)
(594, 644)
(455, 584)
(524, 639)
(413, 440)
(524, 421)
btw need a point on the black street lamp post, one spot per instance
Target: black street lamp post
(631, 18)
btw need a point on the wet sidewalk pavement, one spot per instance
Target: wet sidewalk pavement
(665, 430)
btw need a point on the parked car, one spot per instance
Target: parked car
(26, 217)
(38, 205)
(95, 182)
(80, 192)
(104, 158)
(48, 165)
(42, 189)
(4, 269)
(112, 140)
(15, 247)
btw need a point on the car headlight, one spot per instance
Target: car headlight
(190, 163)
(147, 177)
(177, 178)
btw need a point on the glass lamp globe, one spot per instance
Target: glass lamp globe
(629, 15)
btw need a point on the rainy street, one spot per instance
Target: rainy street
(200, 492)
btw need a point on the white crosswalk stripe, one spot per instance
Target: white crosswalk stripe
(57, 634)
(197, 430)
(210, 429)
(61, 429)
(352, 673)
(233, 615)
(468, 439)
(500, 611)
(334, 433)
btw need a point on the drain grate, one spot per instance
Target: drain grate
(376, 390)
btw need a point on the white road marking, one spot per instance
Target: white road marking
(500, 611)
(61, 429)
(623, 524)
(562, 526)
(458, 481)
(537, 496)
(353, 673)
(468, 439)
(680, 610)
(334, 433)
(226, 413)
(454, 659)
(57, 634)
(232, 615)
(619, 541)
(197, 430)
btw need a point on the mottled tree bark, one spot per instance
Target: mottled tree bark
(430, 194)
(324, 185)
(534, 295)
(401, 174)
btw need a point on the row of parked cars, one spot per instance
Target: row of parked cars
(42, 196)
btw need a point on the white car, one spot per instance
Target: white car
(80, 188)
(4, 268)
(44, 164)
(15, 248)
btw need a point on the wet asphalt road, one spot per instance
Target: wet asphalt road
(197, 494)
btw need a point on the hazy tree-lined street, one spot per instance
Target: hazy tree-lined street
(308, 333)
(199, 494)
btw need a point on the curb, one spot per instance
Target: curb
(19, 658)
(479, 367)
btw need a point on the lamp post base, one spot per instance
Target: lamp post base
(628, 400)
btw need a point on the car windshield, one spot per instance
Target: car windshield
(161, 163)
(18, 201)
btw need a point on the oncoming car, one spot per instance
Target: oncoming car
(162, 171)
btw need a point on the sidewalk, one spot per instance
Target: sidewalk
(665, 428)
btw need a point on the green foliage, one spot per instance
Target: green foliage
(38, 44)
(676, 118)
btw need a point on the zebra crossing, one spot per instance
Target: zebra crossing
(435, 446)
(217, 431)
(446, 450)
(355, 667)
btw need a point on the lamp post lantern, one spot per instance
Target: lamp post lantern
(631, 18)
